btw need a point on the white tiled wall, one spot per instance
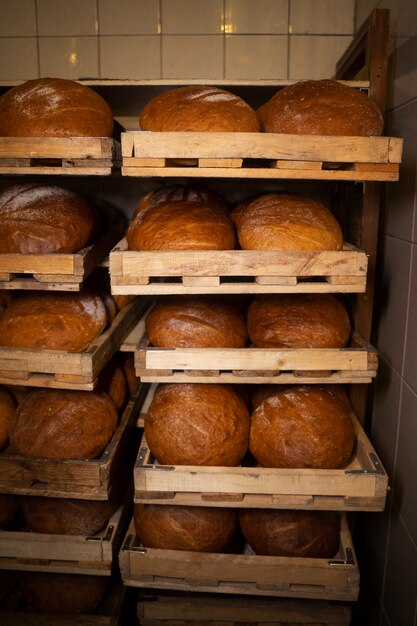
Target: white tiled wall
(141, 39)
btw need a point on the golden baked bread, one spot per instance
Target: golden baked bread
(181, 226)
(63, 593)
(9, 503)
(305, 534)
(197, 424)
(198, 108)
(128, 365)
(196, 322)
(298, 321)
(321, 107)
(199, 529)
(112, 380)
(53, 320)
(42, 219)
(56, 423)
(303, 426)
(282, 221)
(66, 516)
(54, 107)
(181, 193)
(7, 408)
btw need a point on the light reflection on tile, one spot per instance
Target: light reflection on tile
(69, 57)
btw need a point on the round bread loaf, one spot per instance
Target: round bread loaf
(281, 221)
(7, 408)
(198, 108)
(55, 423)
(298, 321)
(192, 322)
(63, 593)
(42, 219)
(53, 320)
(112, 380)
(197, 424)
(54, 107)
(303, 426)
(306, 534)
(181, 193)
(199, 529)
(9, 504)
(63, 516)
(128, 364)
(321, 107)
(181, 226)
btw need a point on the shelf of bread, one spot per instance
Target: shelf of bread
(161, 608)
(89, 479)
(57, 272)
(247, 573)
(356, 363)
(260, 155)
(69, 370)
(360, 486)
(67, 554)
(76, 156)
(237, 271)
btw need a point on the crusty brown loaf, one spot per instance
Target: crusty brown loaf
(7, 408)
(54, 107)
(42, 219)
(128, 365)
(307, 534)
(9, 503)
(63, 593)
(181, 193)
(199, 529)
(66, 516)
(197, 424)
(298, 321)
(321, 107)
(53, 320)
(196, 322)
(282, 221)
(302, 426)
(181, 226)
(112, 380)
(56, 423)
(198, 108)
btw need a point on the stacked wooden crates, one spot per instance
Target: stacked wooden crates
(363, 484)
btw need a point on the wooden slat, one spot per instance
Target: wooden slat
(56, 147)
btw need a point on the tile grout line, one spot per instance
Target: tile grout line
(38, 53)
(288, 38)
(160, 29)
(98, 39)
(224, 38)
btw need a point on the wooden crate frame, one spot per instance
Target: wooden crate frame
(65, 554)
(360, 486)
(69, 370)
(56, 272)
(261, 155)
(324, 579)
(179, 609)
(237, 271)
(68, 156)
(93, 479)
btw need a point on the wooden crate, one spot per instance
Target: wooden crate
(237, 271)
(325, 579)
(69, 370)
(75, 156)
(261, 155)
(354, 364)
(65, 554)
(182, 609)
(95, 479)
(360, 486)
(56, 272)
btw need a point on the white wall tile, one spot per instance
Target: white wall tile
(256, 56)
(130, 57)
(315, 56)
(192, 56)
(262, 16)
(67, 17)
(333, 17)
(69, 57)
(129, 17)
(17, 18)
(192, 17)
(18, 58)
